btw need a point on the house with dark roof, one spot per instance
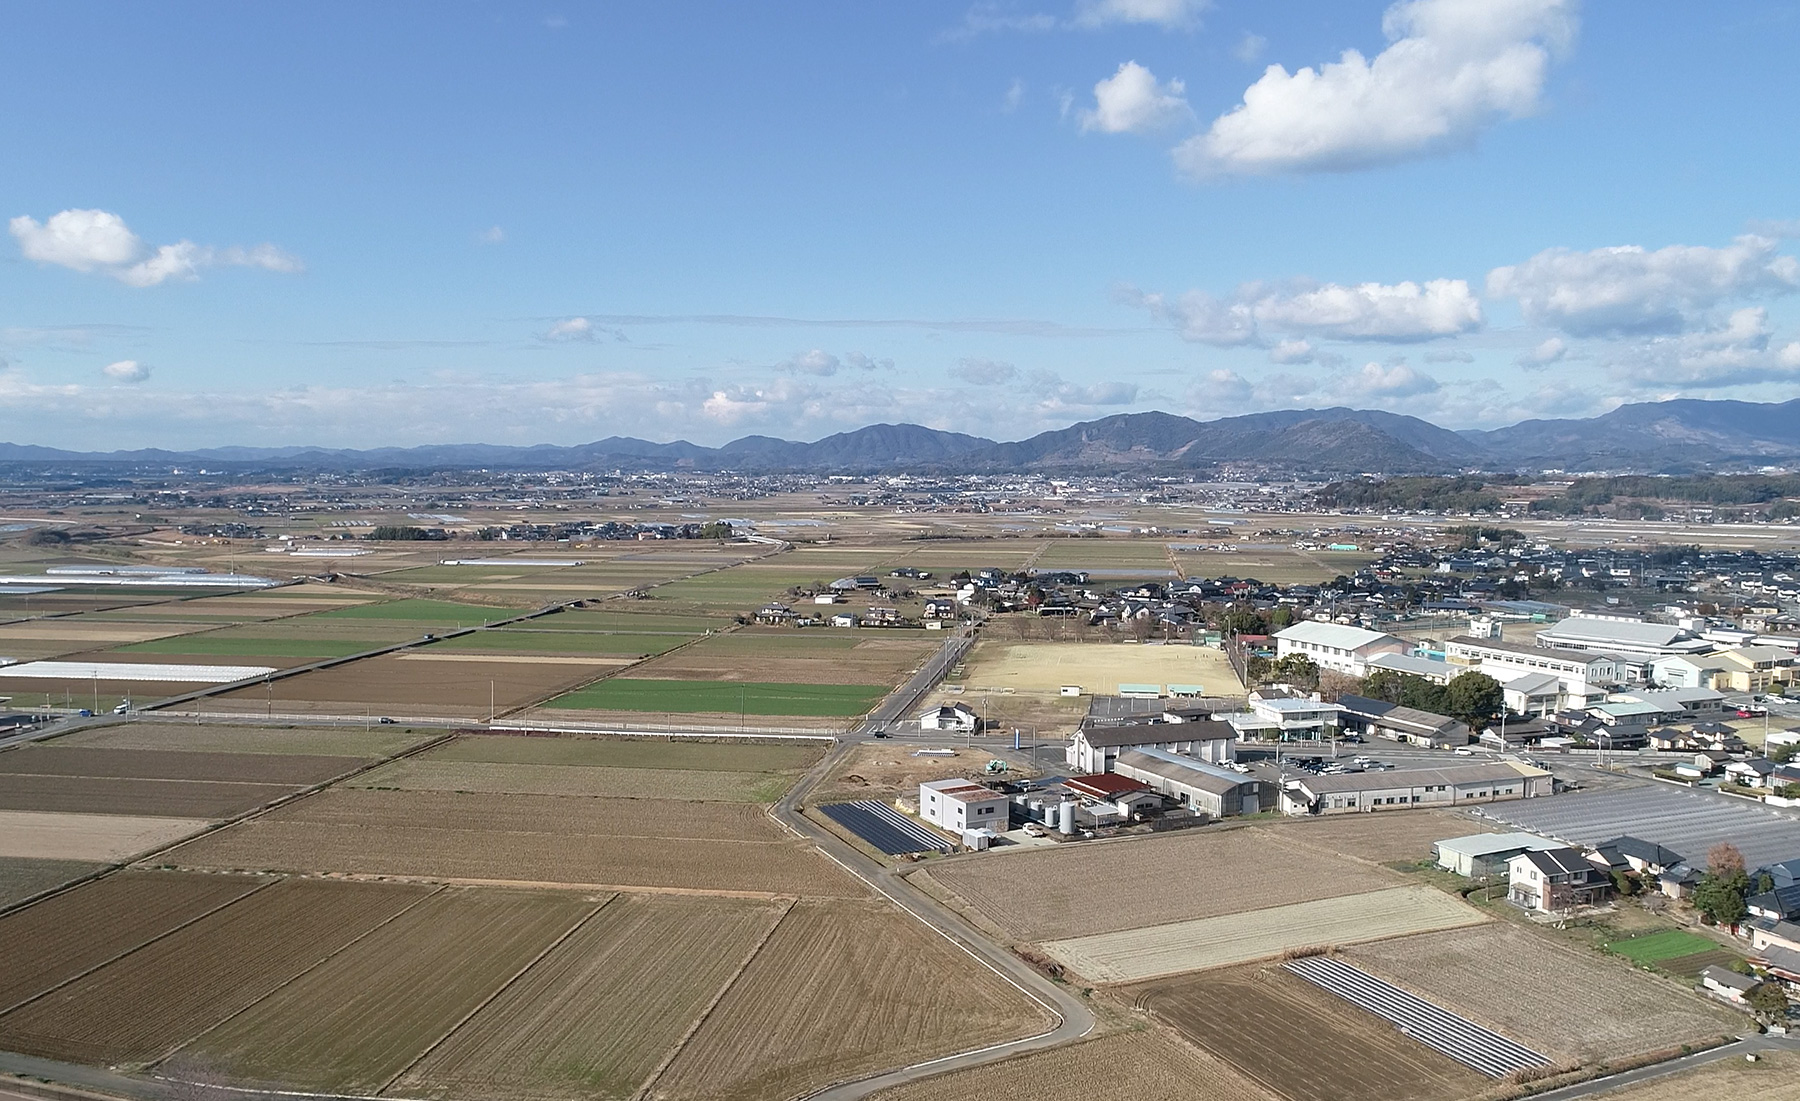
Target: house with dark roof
(1776, 904)
(1555, 880)
(1362, 715)
(1634, 854)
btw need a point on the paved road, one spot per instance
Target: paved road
(1600, 1086)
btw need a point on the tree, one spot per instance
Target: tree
(1625, 884)
(1280, 618)
(1475, 698)
(1297, 670)
(1782, 754)
(1768, 1000)
(1720, 895)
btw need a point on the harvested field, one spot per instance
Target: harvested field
(1564, 1002)
(212, 738)
(439, 612)
(634, 752)
(843, 989)
(1042, 668)
(358, 1020)
(214, 644)
(160, 798)
(21, 878)
(462, 847)
(1146, 1065)
(776, 655)
(1136, 954)
(139, 1007)
(885, 770)
(1774, 1077)
(723, 697)
(519, 639)
(142, 764)
(455, 689)
(55, 940)
(107, 838)
(642, 783)
(565, 817)
(1061, 892)
(597, 1015)
(1383, 838)
(1252, 1018)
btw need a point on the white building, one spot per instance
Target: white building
(1580, 674)
(959, 805)
(1622, 636)
(1336, 646)
(1096, 748)
(1429, 669)
(959, 717)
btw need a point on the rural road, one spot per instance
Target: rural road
(1601, 1086)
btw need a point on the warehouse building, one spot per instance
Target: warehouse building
(1452, 785)
(1210, 789)
(1486, 855)
(1095, 747)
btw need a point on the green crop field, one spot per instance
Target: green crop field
(235, 645)
(418, 611)
(723, 697)
(512, 639)
(1666, 945)
(628, 622)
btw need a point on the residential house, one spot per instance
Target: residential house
(1402, 724)
(1555, 880)
(961, 805)
(1486, 855)
(1726, 984)
(959, 717)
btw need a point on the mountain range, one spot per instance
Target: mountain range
(1680, 436)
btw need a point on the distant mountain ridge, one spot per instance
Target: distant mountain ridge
(1654, 437)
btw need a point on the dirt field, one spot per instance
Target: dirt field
(453, 689)
(686, 784)
(889, 769)
(602, 1011)
(57, 939)
(359, 1019)
(843, 989)
(631, 752)
(106, 838)
(374, 743)
(726, 823)
(1146, 1065)
(1383, 838)
(777, 655)
(1567, 1003)
(295, 770)
(140, 1006)
(1137, 954)
(1042, 668)
(162, 798)
(1073, 891)
(1303, 1043)
(1774, 1077)
(20, 878)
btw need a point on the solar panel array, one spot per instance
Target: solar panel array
(1689, 822)
(1432, 1025)
(884, 827)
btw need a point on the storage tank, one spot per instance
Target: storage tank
(1065, 819)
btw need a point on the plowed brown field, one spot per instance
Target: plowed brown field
(1148, 1065)
(53, 941)
(684, 784)
(356, 1021)
(545, 814)
(157, 798)
(840, 990)
(597, 1015)
(629, 752)
(209, 738)
(1303, 1043)
(146, 764)
(138, 1007)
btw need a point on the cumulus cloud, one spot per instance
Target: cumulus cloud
(1452, 69)
(580, 330)
(1169, 14)
(1550, 351)
(1399, 312)
(823, 364)
(1292, 351)
(983, 372)
(126, 370)
(100, 241)
(1740, 351)
(1391, 380)
(1629, 289)
(1133, 101)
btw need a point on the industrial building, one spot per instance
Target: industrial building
(1095, 747)
(1209, 789)
(961, 805)
(1401, 724)
(1452, 785)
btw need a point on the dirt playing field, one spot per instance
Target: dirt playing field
(1137, 954)
(1566, 1002)
(106, 838)
(141, 1006)
(605, 1008)
(1145, 1065)
(53, 941)
(20, 878)
(1042, 668)
(1072, 891)
(372, 743)
(162, 798)
(1773, 1077)
(843, 989)
(359, 1019)
(1301, 1042)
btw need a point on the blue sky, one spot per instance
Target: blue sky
(360, 224)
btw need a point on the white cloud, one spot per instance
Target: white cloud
(1169, 14)
(126, 370)
(1292, 351)
(1737, 352)
(96, 240)
(1250, 48)
(1015, 95)
(1132, 101)
(492, 235)
(1448, 355)
(1367, 311)
(823, 364)
(867, 363)
(1630, 289)
(1391, 380)
(1451, 69)
(1550, 351)
(983, 372)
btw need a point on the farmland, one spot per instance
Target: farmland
(157, 798)
(1561, 1001)
(1250, 1017)
(1276, 565)
(53, 941)
(1774, 1077)
(1145, 1065)
(596, 818)
(867, 656)
(1137, 954)
(723, 697)
(631, 752)
(211, 738)
(595, 780)
(1674, 950)
(1388, 838)
(842, 989)
(144, 1004)
(47, 835)
(1048, 894)
(453, 689)
(360, 1019)
(246, 768)
(603, 1010)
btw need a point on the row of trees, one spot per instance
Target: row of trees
(1475, 698)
